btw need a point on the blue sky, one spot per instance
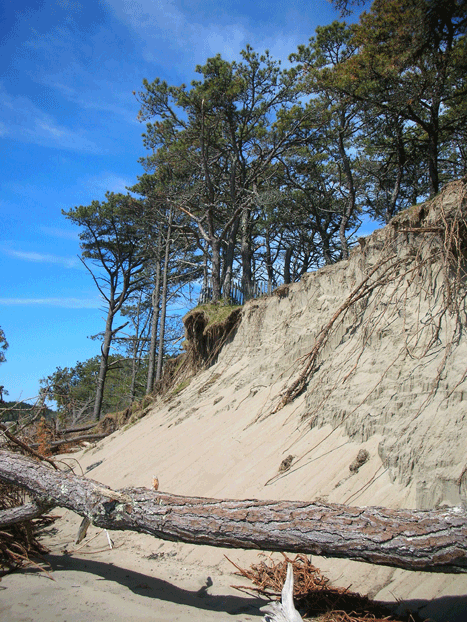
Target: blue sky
(68, 133)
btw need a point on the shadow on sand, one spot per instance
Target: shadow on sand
(442, 609)
(151, 587)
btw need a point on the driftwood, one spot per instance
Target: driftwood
(285, 610)
(434, 540)
(79, 428)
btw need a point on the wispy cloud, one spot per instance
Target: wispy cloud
(65, 50)
(66, 262)
(58, 232)
(23, 120)
(99, 95)
(66, 303)
(107, 181)
(183, 38)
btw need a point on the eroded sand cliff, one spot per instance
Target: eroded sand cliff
(369, 354)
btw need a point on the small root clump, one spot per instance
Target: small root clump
(314, 596)
(286, 464)
(362, 457)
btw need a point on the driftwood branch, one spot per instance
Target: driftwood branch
(434, 540)
(79, 428)
(285, 610)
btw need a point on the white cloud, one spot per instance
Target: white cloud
(66, 303)
(66, 262)
(23, 120)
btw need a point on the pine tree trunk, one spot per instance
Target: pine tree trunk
(155, 318)
(105, 350)
(228, 261)
(287, 260)
(216, 271)
(165, 279)
(247, 276)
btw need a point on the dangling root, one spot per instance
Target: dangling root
(435, 260)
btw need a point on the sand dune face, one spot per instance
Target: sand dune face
(387, 384)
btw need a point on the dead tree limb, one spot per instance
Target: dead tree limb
(72, 440)
(24, 446)
(22, 513)
(79, 428)
(434, 541)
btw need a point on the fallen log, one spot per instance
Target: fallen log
(75, 439)
(434, 541)
(80, 428)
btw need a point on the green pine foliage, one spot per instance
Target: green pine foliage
(74, 388)
(254, 173)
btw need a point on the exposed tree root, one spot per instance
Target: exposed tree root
(314, 596)
(429, 266)
(18, 543)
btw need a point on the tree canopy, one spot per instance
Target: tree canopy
(3, 345)
(258, 174)
(111, 243)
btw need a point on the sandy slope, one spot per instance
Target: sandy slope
(218, 438)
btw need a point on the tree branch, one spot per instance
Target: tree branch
(24, 446)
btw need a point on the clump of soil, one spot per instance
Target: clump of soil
(286, 464)
(362, 457)
(207, 329)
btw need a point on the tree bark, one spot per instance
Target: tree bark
(434, 540)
